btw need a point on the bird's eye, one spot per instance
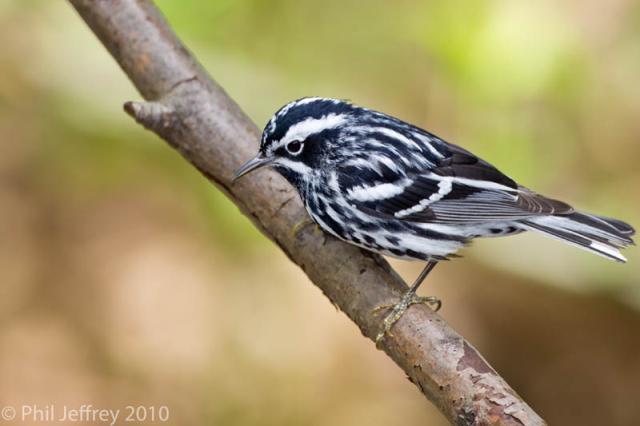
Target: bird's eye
(294, 147)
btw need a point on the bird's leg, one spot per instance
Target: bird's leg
(408, 299)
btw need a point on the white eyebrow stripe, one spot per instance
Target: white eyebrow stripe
(307, 127)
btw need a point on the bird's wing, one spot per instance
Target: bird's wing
(461, 189)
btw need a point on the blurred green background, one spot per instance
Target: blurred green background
(128, 279)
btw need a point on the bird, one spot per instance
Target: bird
(393, 188)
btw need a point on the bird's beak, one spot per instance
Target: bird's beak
(251, 165)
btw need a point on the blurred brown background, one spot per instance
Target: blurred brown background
(128, 279)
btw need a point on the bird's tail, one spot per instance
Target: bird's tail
(600, 235)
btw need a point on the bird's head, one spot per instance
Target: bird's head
(301, 137)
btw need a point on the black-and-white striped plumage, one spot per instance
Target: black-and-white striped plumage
(385, 185)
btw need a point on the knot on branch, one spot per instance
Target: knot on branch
(154, 116)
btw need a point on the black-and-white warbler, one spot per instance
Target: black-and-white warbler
(393, 188)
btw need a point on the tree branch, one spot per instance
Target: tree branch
(194, 115)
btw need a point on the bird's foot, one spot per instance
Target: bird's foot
(397, 310)
(298, 227)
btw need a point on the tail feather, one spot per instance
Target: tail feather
(607, 224)
(600, 235)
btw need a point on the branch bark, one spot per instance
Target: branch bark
(187, 109)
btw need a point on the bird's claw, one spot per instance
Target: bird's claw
(300, 226)
(399, 309)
